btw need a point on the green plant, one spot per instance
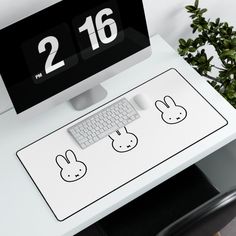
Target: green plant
(223, 38)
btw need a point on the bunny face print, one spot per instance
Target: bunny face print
(71, 169)
(123, 141)
(170, 112)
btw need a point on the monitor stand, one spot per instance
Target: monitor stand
(88, 98)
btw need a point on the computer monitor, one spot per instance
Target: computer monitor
(70, 48)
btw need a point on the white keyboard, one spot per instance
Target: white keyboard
(103, 123)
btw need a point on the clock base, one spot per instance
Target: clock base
(88, 98)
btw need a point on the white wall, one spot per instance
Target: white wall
(166, 17)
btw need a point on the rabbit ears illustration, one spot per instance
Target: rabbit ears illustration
(69, 158)
(168, 103)
(119, 132)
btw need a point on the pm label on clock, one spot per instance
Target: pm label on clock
(50, 53)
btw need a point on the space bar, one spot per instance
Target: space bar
(107, 132)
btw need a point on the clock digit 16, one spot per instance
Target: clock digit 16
(98, 30)
(100, 26)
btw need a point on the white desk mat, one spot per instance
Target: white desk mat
(69, 186)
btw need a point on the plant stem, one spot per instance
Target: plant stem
(211, 78)
(218, 68)
(216, 48)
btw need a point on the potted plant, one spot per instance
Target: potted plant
(222, 37)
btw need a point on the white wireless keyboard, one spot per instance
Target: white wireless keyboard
(103, 123)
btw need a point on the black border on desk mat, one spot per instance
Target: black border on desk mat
(139, 174)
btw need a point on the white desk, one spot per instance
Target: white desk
(24, 211)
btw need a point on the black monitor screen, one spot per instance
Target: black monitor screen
(66, 43)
